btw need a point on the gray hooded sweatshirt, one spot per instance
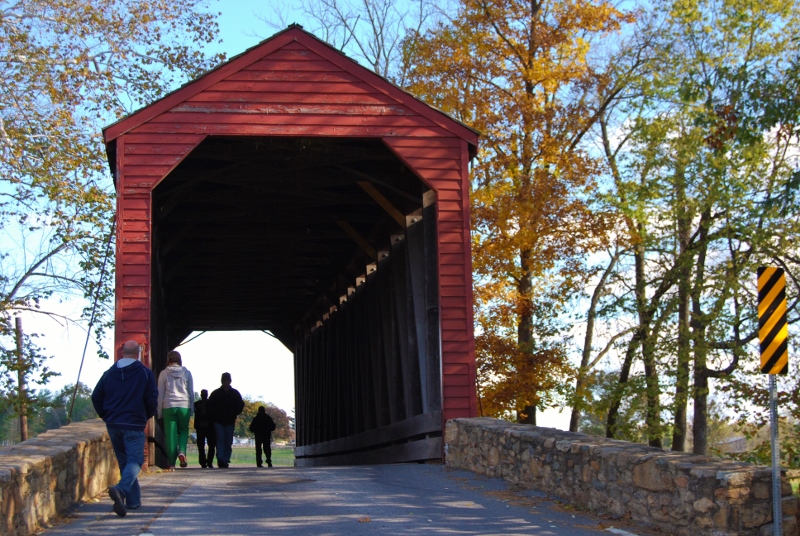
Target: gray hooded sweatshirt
(175, 389)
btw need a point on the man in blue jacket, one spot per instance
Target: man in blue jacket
(125, 398)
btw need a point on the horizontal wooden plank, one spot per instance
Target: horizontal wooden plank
(452, 269)
(453, 302)
(454, 346)
(295, 98)
(457, 403)
(443, 142)
(144, 172)
(417, 425)
(452, 206)
(135, 236)
(450, 248)
(133, 258)
(432, 163)
(133, 328)
(137, 314)
(134, 226)
(134, 303)
(451, 259)
(210, 120)
(455, 335)
(455, 324)
(126, 270)
(134, 291)
(458, 391)
(135, 247)
(450, 195)
(154, 148)
(451, 237)
(288, 88)
(136, 192)
(132, 204)
(291, 110)
(435, 175)
(284, 65)
(168, 161)
(132, 280)
(185, 140)
(293, 130)
(135, 214)
(455, 369)
(452, 216)
(420, 450)
(454, 312)
(293, 76)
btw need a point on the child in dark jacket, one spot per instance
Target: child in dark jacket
(262, 426)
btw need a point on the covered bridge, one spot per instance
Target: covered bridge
(293, 191)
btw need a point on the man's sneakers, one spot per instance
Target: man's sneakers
(119, 501)
(182, 458)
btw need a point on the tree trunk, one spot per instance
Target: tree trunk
(679, 432)
(698, 324)
(591, 316)
(525, 329)
(613, 410)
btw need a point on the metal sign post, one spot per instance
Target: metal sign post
(777, 506)
(773, 332)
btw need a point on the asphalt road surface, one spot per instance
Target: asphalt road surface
(382, 499)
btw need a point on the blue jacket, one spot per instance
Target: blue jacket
(126, 397)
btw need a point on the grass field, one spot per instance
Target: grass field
(246, 456)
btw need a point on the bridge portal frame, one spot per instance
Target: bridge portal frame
(248, 96)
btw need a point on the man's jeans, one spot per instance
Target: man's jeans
(224, 442)
(129, 450)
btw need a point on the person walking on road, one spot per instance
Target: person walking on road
(205, 431)
(225, 404)
(262, 426)
(125, 398)
(175, 403)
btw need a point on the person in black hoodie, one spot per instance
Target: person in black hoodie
(125, 398)
(225, 404)
(262, 426)
(205, 431)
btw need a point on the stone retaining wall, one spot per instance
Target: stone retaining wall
(682, 494)
(47, 476)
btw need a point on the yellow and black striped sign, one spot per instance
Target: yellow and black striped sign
(773, 332)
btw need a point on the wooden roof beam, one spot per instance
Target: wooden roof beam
(384, 203)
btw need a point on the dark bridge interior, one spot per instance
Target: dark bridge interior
(264, 233)
(329, 244)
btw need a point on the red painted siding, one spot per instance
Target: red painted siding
(295, 85)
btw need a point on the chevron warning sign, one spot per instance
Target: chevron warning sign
(773, 332)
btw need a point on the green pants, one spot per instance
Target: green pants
(176, 432)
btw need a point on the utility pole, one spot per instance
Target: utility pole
(23, 407)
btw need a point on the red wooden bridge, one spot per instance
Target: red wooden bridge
(294, 191)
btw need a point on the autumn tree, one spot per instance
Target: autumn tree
(283, 430)
(523, 74)
(68, 69)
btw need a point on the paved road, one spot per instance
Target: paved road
(383, 499)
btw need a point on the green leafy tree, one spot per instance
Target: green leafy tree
(703, 176)
(66, 70)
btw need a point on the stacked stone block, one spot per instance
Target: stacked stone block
(45, 477)
(682, 494)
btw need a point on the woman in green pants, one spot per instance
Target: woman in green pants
(175, 401)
